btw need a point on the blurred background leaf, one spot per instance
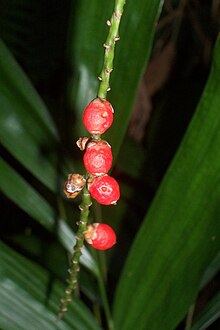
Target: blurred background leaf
(179, 237)
(27, 130)
(209, 315)
(30, 296)
(34, 204)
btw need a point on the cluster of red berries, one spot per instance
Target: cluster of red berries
(97, 118)
(97, 159)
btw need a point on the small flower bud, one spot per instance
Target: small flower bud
(74, 185)
(81, 142)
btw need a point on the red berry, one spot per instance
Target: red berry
(104, 189)
(98, 158)
(98, 116)
(100, 236)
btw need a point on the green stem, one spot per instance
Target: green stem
(109, 45)
(102, 277)
(104, 87)
(105, 302)
(189, 317)
(77, 252)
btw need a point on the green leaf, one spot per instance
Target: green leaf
(178, 238)
(209, 315)
(16, 83)
(29, 200)
(88, 33)
(136, 162)
(211, 271)
(26, 128)
(38, 46)
(27, 302)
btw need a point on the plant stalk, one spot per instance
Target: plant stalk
(189, 317)
(105, 302)
(104, 87)
(109, 45)
(77, 252)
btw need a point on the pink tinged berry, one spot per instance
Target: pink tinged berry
(98, 158)
(100, 236)
(98, 116)
(104, 189)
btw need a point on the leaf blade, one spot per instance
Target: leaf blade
(26, 129)
(209, 315)
(86, 54)
(178, 238)
(14, 80)
(29, 200)
(26, 303)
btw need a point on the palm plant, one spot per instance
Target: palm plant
(165, 89)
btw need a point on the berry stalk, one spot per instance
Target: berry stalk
(97, 118)
(75, 268)
(109, 45)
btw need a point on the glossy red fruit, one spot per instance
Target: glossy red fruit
(98, 116)
(100, 236)
(104, 189)
(98, 158)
